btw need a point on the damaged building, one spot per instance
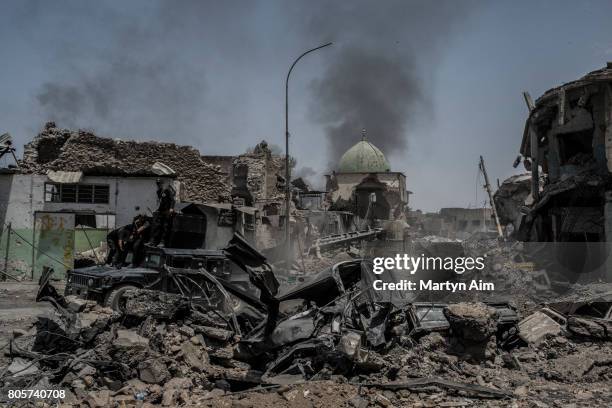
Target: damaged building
(568, 137)
(565, 200)
(451, 222)
(255, 176)
(364, 184)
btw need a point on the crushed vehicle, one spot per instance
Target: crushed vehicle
(171, 270)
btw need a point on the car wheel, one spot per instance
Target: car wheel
(114, 297)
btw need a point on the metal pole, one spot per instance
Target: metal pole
(34, 245)
(287, 175)
(488, 188)
(90, 245)
(6, 253)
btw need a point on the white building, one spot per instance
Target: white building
(52, 217)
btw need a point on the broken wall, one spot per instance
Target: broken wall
(261, 173)
(62, 149)
(348, 191)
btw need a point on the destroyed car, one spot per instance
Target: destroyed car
(170, 270)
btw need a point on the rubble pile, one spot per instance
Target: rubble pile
(62, 149)
(510, 265)
(329, 341)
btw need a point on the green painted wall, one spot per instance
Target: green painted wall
(20, 253)
(95, 235)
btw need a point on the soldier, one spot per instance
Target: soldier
(162, 218)
(142, 234)
(118, 241)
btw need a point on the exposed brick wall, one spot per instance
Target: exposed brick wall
(265, 172)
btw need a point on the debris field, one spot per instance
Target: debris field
(325, 342)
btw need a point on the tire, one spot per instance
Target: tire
(113, 299)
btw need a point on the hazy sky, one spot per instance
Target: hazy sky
(436, 84)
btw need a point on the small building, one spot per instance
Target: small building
(452, 222)
(52, 217)
(462, 222)
(364, 184)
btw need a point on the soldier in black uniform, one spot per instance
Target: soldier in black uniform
(141, 235)
(162, 218)
(118, 241)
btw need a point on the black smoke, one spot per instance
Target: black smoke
(148, 74)
(151, 69)
(381, 71)
(367, 90)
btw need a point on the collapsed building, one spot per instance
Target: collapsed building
(72, 187)
(568, 137)
(565, 201)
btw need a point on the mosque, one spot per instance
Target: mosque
(364, 184)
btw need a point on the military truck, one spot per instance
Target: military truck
(189, 272)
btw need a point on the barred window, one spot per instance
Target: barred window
(77, 193)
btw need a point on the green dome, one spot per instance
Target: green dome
(364, 157)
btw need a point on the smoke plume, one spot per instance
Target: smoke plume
(381, 71)
(367, 90)
(133, 78)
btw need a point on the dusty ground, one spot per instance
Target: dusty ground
(18, 310)
(331, 394)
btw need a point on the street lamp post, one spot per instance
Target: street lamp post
(287, 175)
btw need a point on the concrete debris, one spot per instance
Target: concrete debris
(329, 341)
(20, 367)
(142, 303)
(537, 326)
(153, 371)
(510, 197)
(474, 322)
(128, 339)
(594, 328)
